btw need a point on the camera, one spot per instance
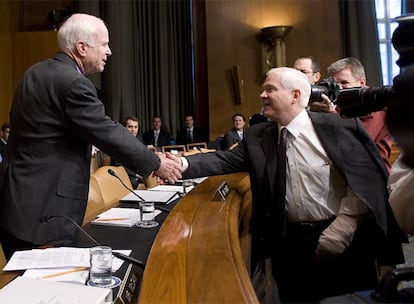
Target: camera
(326, 86)
(360, 101)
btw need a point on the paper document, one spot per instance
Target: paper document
(60, 257)
(123, 217)
(164, 197)
(27, 290)
(48, 258)
(77, 275)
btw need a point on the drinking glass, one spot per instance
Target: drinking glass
(147, 215)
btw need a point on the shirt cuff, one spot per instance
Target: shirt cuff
(184, 163)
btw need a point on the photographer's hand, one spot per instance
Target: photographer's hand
(326, 105)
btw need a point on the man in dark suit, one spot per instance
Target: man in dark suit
(132, 125)
(157, 137)
(190, 133)
(55, 117)
(4, 137)
(235, 134)
(327, 233)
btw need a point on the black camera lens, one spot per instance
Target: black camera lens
(328, 87)
(360, 101)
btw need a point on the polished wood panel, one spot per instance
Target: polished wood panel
(197, 255)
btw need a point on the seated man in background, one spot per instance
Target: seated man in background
(189, 133)
(330, 226)
(4, 137)
(157, 137)
(132, 125)
(235, 135)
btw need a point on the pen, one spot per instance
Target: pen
(64, 272)
(111, 219)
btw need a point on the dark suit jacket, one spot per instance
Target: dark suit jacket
(231, 137)
(352, 152)
(164, 138)
(199, 135)
(2, 147)
(55, 117)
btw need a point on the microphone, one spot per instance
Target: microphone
(113, 173)
(46, 219)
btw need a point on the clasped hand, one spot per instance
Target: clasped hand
(170, 168)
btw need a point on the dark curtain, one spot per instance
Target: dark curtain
(360, 36)
(150, 71)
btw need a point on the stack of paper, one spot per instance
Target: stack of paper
(63, 264)
(123, 217)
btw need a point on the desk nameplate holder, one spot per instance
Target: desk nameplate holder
(222, 192)
(129, 289)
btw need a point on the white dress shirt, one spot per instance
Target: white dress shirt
(314, 188)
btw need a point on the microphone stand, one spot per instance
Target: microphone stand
(113, 173)
(118, 255)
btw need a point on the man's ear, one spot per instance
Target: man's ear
(296, 94)
(363, 82)
(81, 48)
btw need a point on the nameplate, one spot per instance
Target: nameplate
(222, 192)
(129, 290)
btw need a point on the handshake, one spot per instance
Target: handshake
(170, 168)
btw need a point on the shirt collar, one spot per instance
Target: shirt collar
(299, 123)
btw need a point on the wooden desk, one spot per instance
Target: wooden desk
(197, 255)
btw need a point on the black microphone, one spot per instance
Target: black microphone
(113, 173)
(121, 256)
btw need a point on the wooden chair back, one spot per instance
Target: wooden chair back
(174, 149)
(196, 146)
(105, 190)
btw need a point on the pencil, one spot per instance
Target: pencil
(111, 219)
(64, 272)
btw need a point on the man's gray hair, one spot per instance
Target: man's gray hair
(352, 63)
(78, 27)
(292, 79)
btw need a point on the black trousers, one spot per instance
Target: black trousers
(302, 279)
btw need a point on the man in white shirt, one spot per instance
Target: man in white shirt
(326, 235)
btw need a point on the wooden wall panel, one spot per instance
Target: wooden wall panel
(30, 48)
(232, 31)
(9, 12)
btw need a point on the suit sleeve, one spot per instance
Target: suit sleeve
(86, 117)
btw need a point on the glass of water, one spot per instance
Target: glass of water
(100, 272)
(147, 215)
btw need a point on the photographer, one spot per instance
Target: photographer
(350, 73)
(309, 66)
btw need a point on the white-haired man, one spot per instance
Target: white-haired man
(325, 235)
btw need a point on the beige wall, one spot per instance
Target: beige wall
(232, 29)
